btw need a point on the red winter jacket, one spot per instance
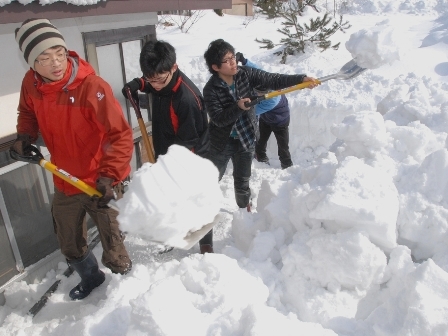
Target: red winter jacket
(81, 122)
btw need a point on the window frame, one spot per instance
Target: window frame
(92, 40)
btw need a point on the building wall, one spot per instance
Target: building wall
(240, 7)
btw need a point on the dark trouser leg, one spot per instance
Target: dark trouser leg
(282, 135)
(70, 225)
(220, 159)
(71, 231)
(206, 243)
(69, 219)
(242, 169)
(260, 147)
(115, 257)
(207, 239)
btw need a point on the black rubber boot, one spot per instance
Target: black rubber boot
(91, 276)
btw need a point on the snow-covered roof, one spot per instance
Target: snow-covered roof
(16, 11)
(47, 2)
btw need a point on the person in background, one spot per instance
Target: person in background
(233, 126)
(273, 117)
(179, 115)
(83, 127)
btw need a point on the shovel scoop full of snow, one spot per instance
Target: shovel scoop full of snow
(174, 201)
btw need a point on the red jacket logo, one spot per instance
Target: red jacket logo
(100, 95)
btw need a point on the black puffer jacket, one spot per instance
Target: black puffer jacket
(179, 116)
(222, 107)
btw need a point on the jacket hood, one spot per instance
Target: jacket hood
(77, 70)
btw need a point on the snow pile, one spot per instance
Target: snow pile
(166, 200)
(351, 240)
(213, 295)
(413, 301)
(374, 47)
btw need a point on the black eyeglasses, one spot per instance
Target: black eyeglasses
(229, 60)
(159, 80)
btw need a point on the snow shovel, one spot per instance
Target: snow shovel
(147, 141)
(37, 158)
(185, 243)
(348, 71)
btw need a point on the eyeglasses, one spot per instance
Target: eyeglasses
(229, 60)
(50, 61)
(159, 80)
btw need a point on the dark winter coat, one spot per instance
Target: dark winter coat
(179, 116)
(222, 107)
(279, 115)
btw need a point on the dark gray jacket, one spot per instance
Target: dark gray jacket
(222, 108)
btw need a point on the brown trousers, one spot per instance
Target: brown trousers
(69, 218)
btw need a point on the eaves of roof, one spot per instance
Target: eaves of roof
(17, 13)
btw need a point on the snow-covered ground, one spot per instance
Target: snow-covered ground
(351, 240)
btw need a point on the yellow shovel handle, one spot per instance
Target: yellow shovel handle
(300, 86)
(81, 185)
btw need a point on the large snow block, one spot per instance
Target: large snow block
(413, 304)
(170, 199)
(362, 197)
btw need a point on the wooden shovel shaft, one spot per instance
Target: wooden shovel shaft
(147, 141)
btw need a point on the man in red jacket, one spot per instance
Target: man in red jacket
(83, 127)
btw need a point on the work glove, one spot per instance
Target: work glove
(240, 58)
(22, 145)
(134, 86)
(104, 186)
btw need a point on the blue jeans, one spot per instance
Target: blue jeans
(242, 162)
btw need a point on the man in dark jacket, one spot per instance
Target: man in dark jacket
(179, 116)
(233, 127)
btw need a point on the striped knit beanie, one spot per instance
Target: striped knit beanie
(35, 36)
